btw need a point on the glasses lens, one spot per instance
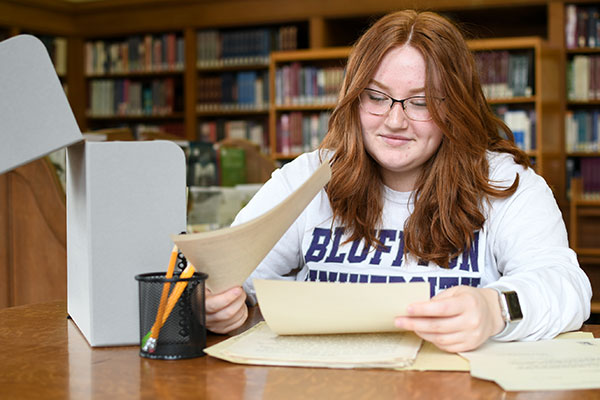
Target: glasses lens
(374, 102)
(416, 109)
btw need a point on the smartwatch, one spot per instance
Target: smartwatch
(510, 308)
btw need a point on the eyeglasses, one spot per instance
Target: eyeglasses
(378, 103)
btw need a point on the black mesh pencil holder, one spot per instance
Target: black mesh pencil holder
(183, 334)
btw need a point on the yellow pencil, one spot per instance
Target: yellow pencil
(179, 288)
(149, 341)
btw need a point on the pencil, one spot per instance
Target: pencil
(177, 291)
(153, 334)
(149, 342)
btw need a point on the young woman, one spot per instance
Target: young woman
(427, 185)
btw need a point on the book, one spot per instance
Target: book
(232, 166)
(202, 165)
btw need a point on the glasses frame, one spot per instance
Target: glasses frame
(394, 101)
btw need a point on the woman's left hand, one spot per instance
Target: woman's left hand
(458, 319)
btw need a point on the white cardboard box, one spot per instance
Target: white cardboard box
(124, 199)
(35, 116)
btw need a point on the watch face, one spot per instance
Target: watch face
(514, 307)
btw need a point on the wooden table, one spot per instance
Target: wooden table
(44, 356)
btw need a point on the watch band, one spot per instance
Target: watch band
(511, 310)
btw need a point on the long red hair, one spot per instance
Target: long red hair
(449, 195)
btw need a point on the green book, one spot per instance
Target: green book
(233, 166)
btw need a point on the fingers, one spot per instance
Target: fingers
(458, 319)
(217, 302)
(453, 342)
(226, 311)
(430, 325)
(225, 326)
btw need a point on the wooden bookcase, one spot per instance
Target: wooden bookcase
(232, 91)
(325, 58)
(548, 154)
(136, 81)
(579, 105)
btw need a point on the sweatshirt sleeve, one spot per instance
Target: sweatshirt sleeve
(531, 251)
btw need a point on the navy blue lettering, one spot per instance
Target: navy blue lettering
(453, 263)
(432, 284)
(446, 282)
(318, 246)
(400, 255)
(471, 254)
(384, 236)
(333, 257)
(323, 276)
(352, 257)
(435, 283)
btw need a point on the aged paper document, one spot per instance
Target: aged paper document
(566, 364)
(230, 255)
(259, 345)
(430, 358)
(300, 308)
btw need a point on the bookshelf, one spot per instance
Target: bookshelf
(294, 100)
(136, 81)
(540, 100)
(303, 86)
(233, 80)
(581, 42)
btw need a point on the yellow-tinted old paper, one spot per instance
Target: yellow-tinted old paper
(431, 358)
(300, 308)
(259, 345)
(230, 255)
(565, 364)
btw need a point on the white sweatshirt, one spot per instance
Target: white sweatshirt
(523, 246)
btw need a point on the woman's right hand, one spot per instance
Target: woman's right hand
(225, 311)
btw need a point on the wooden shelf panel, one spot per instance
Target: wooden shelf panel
(284, 156)
(232, 112)
(232, 67)
(587, 252)
(310, 55)
(307, 107)
(583, 103)
(578, 202)
(583, 50)
(139, 74)
(583, 154)
(513, 100)
(517, 43)
(135, 117)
